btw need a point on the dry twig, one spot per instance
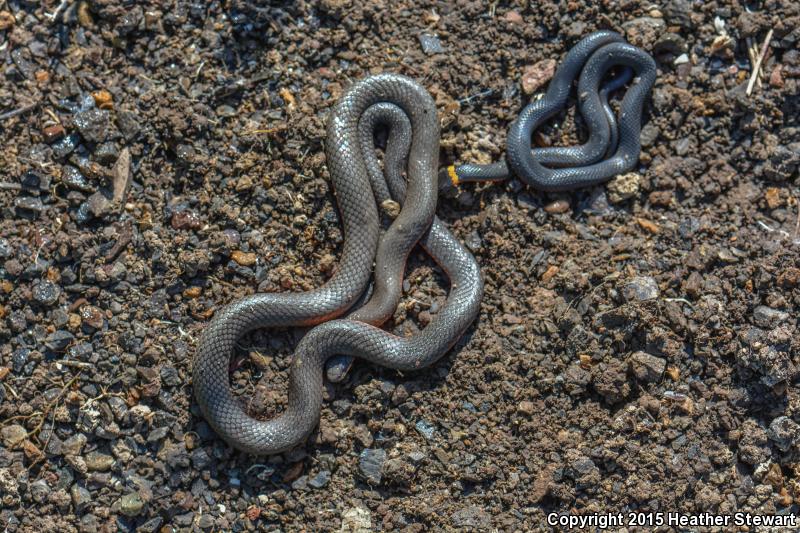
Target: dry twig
(757, 65)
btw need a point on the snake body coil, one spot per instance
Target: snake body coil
(612, 147)
(407, 108)
(360, 185)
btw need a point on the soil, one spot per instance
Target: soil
(637, 345)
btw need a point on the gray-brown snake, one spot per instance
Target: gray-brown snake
(360, 185)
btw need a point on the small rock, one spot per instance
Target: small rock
(425, 429)
(430, 43)
(472, 517)
(98, 205)
(93, 124)
(40, 490)
(81, 497)
(29, 203)
(103, 99)
(66, 146)
(768, 318)
(7, 20)
(356, 520)
(59, 340)
(19, 359)
(13, 435)
(513, 17)
(644, 31)
(370, 464)
(537, 75)
(641, 288)
(46, 292)
(107, 153)
(6, 250)
(121, 176)
(74, 445)
(557, 206)
(73, 179)
(244, 258)
(129, 124)
(320, 480)
(784, 432)
(647, 368)
(131, 504)
(99, 462)
(623, 187)
(53, 133)
(92, 317)
(526, 408)
(678, 13)
(670, 43)
(186, 219)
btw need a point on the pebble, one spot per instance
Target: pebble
(767, 317)
(73, 179)
(320, 480)
(244, 258)
(644, 31)
(514, 17)
(557, 206)
(131, 504)
(370, 464)
(107, 153)
(641, 288)
(93, 124)
(98, 205)
(59, 340)
(53, 133)
(647, 368)
(46, 292)
(526, 408)
(356, 520)
(99, 462)
(6, 20)
(784, 432)
(678, 13)
(6, 250)
(623, 187)
(19, 358)
(103, 99)
(74, 445)
(65, 146)
(430, 43)
(425, 429)
(128, 124)
(92, 316)
(81, 497)
(13, 435)
(40, 490)
(29, 203)
(537, 75)
(186, 219)
(472, 517)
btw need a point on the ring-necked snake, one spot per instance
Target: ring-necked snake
(360, 186)
(613, 145)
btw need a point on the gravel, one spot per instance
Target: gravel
(637, 343)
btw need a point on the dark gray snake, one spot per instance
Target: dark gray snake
(410, 112)
(360, 185)
(612, 147)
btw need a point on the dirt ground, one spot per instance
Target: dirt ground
(636, 349)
